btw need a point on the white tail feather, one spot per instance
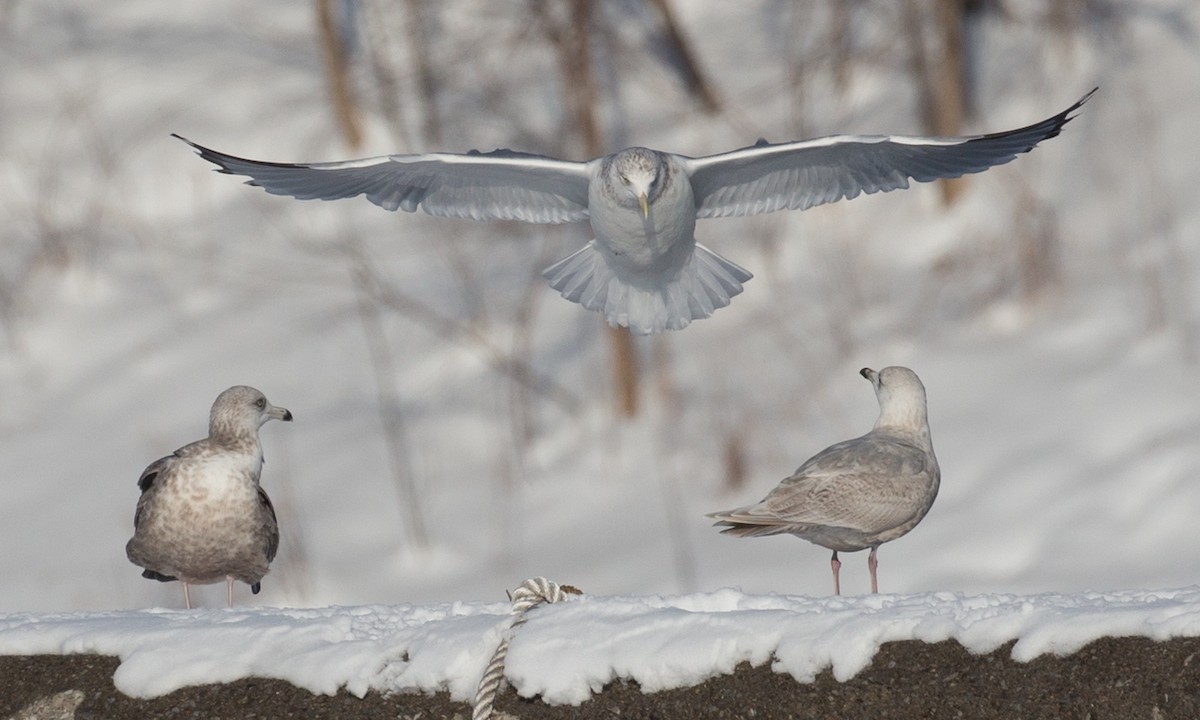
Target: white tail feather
(705, 283)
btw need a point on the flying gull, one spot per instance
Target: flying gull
(202, 516)
(860, 493)
(644, 269)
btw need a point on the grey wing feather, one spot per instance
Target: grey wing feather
(137, 514)
(870, 483)
(799, 175)
(272, 527)
(152, 471)
(149, 476)
(867, 484)
(146, 484)
(499, 185)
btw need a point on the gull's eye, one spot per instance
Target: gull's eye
(624, 179)
(260, 403)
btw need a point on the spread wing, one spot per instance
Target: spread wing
(499, 185)
(798, 175)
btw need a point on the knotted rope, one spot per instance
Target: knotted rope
(533, 592)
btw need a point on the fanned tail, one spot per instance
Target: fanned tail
(707, 282)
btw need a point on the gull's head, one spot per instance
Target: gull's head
(635, 176)
(901, 397)
(242, 410)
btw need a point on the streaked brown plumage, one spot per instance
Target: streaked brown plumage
(202, 516)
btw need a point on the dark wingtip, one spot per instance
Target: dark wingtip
(723, 522)
(1044, 130)
(1069, 114)
(255, 588)
(199, 149)
(154, 575)
(1066, 114)
(146, 481)
(219, 159)
(203, 152)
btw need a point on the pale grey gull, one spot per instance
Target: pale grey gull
(202, 516)
(860, 493)
(644, 268)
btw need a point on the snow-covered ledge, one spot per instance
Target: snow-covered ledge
(569, 650)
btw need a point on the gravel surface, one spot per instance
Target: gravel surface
(1112, 679)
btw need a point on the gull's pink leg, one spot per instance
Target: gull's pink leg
(229, 591)
(187, 599)
(837, 566)
(873, 565)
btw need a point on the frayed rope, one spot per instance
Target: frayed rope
(530, 594)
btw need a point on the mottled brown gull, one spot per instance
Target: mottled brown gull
(202, 516)
(859, 493)
(644, 269)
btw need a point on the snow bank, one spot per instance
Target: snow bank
(572, 649)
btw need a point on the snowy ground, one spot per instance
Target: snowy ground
(569, 650)
(136, 285)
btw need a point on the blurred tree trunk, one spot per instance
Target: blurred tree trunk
(697, 84)
(391, 418)
(942, 81)
(387, 394)
(575, 53)
(1039, 267)
(840, 43)
(377, 29)
(571, 39)
(1064, 16)
(418, 38)
(625, 370)
(341, 90)
(398, 40)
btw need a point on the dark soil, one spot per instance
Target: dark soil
(1111, 679)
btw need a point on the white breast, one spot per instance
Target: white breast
(638, 247)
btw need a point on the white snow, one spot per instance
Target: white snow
(569, 650)
(136, 284)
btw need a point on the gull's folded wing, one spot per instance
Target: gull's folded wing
(499, 185)
(799, 175)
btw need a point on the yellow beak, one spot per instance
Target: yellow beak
(645, 201)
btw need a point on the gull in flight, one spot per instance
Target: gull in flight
(860, 493)
(202, 516)
(644, 269)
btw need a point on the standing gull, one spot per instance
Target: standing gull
(202, 516)
(644, 269)
(860, 493)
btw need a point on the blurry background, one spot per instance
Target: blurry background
(459, 427)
